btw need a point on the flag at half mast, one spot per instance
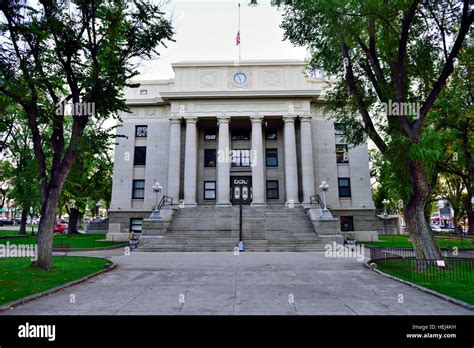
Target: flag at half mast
(237, 38)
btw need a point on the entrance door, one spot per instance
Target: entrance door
(241, 186)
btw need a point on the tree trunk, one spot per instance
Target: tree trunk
(24, 218)
(45, 228)
(73, 220)
(418, 227)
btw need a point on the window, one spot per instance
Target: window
(139, 158)
(347, 223)
(210, 134)
(241, 134)
(344, 187)
(138, 189)
(209, 190)
(272, 189)
(136, 225)
(141, 131)
(271, 134)
(240, 158)
(209, 158)
(339, 129)
(342, 154)
(271, 157)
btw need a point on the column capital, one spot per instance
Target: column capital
(190, 119)
(306, 118)
(289, 118)
(175, 119)
(223, 119)
(256, 118)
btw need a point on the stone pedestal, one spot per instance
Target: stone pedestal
(153, 229)
(115, 234)
(326, 226)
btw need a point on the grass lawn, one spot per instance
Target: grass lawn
(461, 290)
(9, 233)
(18, 279)
(77, 241)
(402, 242)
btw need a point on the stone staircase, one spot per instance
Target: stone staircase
(207, 228)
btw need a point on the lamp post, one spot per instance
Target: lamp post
(97, 206)
(157, 188)
(385, 202)
(238, 195)
(323, 188)
(241, 193)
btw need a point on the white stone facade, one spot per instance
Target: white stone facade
(204, 100)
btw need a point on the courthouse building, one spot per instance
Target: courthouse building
(218, 127)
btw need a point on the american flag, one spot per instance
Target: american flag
(237, 38)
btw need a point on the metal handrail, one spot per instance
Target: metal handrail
(165, 200)
(316, 200)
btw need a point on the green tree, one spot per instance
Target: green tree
(451, 188)
(386, 55)
(453, 116)
(90, 180)
(18, 168)
(19, 171)
(78, 52)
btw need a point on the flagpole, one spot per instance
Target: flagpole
(240, 44)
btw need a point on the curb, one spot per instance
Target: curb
(90, 249)
(422, 288)
(58, 288)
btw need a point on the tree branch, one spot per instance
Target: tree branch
(448, 68)
(368, 124)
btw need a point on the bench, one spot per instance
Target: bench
(62, 247)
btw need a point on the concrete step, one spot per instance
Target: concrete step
(207, 228)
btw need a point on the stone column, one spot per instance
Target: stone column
(291, 165)
(174, 159)
(190, 162)
(223, 163)
(307, 166)
(257, 156)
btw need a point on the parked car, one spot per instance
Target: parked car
(435, 228)
(60, 228)
(7, 221)
(1, 222)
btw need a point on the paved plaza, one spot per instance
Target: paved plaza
(251, 283)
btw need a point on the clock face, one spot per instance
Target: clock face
(240, 79)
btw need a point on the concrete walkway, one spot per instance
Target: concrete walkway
(251, 283)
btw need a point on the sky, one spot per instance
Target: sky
(207, 29)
